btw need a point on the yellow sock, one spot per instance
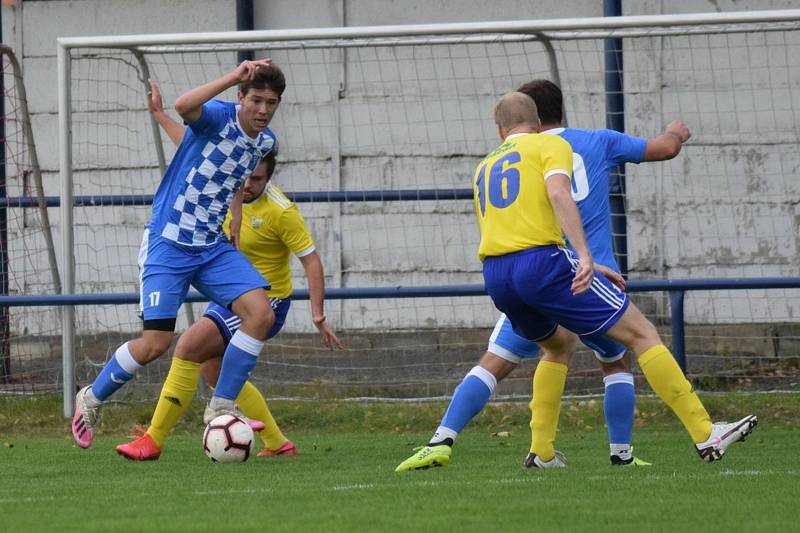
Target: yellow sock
(253, 405)
(666, 379)
(548, 386)
(175, 397)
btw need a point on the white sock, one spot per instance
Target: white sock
(90, 399)
(221, 403)
(623, 451)
(126, 360)
(444, 433)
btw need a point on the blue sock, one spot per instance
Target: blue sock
(619, 404)
(469, 398)
(119, 370)
(238, 362)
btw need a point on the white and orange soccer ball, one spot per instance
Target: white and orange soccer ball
(228, 439)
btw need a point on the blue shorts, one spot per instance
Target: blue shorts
(167, 269)
(509, 346)
(227, 323)
(532, 287)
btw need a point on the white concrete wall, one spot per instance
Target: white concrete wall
(666, 202)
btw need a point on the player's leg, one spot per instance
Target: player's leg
(662, 372)
(127, 360)
(232, 282)
(198, 342)
(619, 401)
(254, 406)
(549, 380)
(469, 398)
(250, 400)
(667, 380)
(506, 349)
(165, 274)
(619, 404)
(243, 349)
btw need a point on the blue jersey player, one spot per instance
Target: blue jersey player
(595, 154)
(184, 243)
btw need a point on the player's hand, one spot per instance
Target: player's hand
(235, 238)
(235, 229)
(247, 70)
(679, 129)
(583, 275)
(155, 104)
(612, 275)
(329, 338)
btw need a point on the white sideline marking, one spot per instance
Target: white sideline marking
(728, 472)
(231, 491)
(511, 480)
(28, 499)
(357, 486)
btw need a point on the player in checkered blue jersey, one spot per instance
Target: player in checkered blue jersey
(184, 243)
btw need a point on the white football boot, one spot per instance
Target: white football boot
(534, 461)
(723, 435)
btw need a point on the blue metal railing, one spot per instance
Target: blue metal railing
(676, 288)
(299, 197)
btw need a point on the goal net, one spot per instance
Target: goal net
(408, 109)
(29, 337)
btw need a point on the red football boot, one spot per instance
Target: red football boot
(287, 448)
(141, 449)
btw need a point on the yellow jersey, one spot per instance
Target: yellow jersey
(511, 201)
(272, 229)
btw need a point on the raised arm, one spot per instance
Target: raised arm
(189, 105)
(316, 294)
(668, 144)
(560, 194)
(155, 105)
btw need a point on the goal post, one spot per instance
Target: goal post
(408, 107)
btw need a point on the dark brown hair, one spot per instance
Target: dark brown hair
(548, 98)
(268, 77)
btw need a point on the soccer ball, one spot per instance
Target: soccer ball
(228, 439)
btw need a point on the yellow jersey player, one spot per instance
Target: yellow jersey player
(272, 230)
(523, 202)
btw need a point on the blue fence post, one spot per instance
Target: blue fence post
(244, 22)
(615, 120)
(678, 331)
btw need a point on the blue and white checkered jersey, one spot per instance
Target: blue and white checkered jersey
(594, 154)
(213, 160)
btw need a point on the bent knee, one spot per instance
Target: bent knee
(646, 335)
(151, 347)
(260, 320)
(615, 367)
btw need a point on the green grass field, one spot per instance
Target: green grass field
(344, 479)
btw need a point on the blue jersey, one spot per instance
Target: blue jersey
(595, 153)
(213, 160)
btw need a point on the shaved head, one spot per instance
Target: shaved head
(516, 110)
